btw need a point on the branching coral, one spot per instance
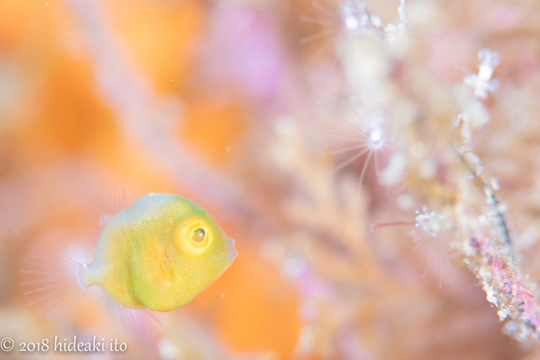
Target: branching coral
(440, 168)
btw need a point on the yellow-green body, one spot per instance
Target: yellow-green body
(147, 255)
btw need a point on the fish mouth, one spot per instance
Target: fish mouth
(232, 251)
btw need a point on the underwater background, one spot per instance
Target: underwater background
(376, 162)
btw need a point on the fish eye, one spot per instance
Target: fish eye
(194, 235)
(198, 235)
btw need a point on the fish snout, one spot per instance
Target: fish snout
(232, 250)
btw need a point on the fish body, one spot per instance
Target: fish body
(158, 255)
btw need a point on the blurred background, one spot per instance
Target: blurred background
(245, 107)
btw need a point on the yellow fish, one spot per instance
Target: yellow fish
(158, 254)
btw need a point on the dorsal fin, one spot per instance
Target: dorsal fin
(113, 202)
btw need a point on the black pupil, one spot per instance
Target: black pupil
(198, 235)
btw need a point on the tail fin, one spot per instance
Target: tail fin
(50, 278)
